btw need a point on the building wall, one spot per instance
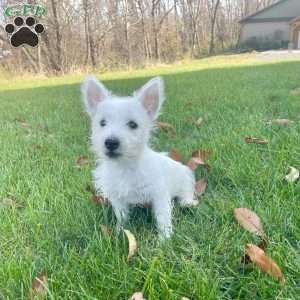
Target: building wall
(269, 30)
(287, 8)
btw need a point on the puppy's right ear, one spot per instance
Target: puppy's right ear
(93, 93)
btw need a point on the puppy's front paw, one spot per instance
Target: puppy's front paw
(192, 203)
(165, 234)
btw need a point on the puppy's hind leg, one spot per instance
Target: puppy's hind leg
(186, 196)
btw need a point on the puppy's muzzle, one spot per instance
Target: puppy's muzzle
(112, 144)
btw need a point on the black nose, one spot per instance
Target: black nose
(112, 144)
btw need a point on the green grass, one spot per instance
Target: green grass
(57, 228)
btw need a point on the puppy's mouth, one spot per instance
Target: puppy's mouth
(113, 154)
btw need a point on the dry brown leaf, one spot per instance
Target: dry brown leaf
(165, 126)
(105, 230)
(81, 161)
(10, 202)
(199, 122)
(249, 220)
(39, 286)
(295, 92)
(37, 147)
(174, 154)
(188, 104)
(200, 187)
(132, 244)
(22, 122)
(264, 262)
(194, 162)
(280, 121)
(293, 175)
(43, 127)
(202, 154)
(254, 140)
(99, 199)
(137, 296)
(263, 244)
(199, 158)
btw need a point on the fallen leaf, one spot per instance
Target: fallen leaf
(99, 199)
(293, 175)
(105, 230)
(264, 262)
(249, 220)
(200, 187)
(132, 244)
(199, 122)
(37, 147)
(82, 161)
(280, 121)
(43, 127)
(193, 163)
(20, 119)
(262, 245)
(254, 140)
(174, 154)
(137, 296)
(202, 154)
(199, 158)
(188, 104)
(39, 286)
(10, 202)
(165, 126)
(24, 124)
(295, 92)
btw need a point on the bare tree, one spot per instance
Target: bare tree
(102, 34)
(212, 6)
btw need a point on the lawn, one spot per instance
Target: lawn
(51, 225)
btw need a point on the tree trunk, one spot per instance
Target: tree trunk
(213, 24)
(58, 35)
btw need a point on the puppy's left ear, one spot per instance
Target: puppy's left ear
(152, 96)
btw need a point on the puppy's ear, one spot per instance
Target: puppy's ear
(93, 92)
(152, 96)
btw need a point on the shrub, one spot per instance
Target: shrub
(273, 42)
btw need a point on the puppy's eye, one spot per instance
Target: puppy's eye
(102, 123)
(132, 125)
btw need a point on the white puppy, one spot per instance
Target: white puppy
(129, 172)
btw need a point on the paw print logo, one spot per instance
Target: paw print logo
(24, 33)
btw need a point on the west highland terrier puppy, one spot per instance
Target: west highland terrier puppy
(129, 172)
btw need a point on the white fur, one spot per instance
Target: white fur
(139, 175)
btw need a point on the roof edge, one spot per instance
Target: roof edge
(245, 19)
(294, 20)
(269, 20)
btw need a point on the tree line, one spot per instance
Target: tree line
(111, 34)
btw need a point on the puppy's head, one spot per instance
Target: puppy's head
(121, 125)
